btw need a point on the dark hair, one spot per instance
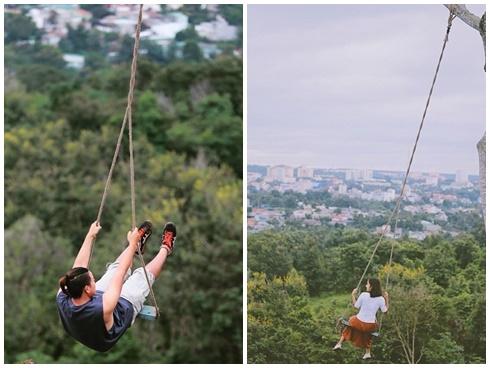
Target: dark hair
(375, 288)
(73, 282)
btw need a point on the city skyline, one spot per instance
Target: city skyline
(355, 99)
(367, 168)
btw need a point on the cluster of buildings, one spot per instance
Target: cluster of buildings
(283, 178)
(432, 194)
(160, 27)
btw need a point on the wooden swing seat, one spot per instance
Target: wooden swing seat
(346, 323)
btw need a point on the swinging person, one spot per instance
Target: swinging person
(364, 323)
(98, 313)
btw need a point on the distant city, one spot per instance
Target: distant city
(433, 203)
(167, 26)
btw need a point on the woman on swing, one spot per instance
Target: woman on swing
(98, 313)
(364, 323)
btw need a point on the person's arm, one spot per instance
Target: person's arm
(353, 295)
(83, 256)
(387, 301)
(113, 292)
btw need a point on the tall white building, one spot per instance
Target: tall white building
(342, 189)
(432, 179)
(389, 195)
(355, 174)
(461, 177)
(280, 172)
(366, 174)
(352, 174)
(304, 172)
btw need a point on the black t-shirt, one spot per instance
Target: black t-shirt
(86, 322)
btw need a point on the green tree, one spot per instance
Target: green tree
(269, 254)
(20, 27)
(443, 349)
(188, 34)
(197, 13)
(233, 13)
(441, 263)
(280, 326)
(192, 52)
(34, 260)
(98, 11)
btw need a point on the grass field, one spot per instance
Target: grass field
(339, 303)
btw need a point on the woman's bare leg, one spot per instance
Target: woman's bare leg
(367, 354)
(339, 343)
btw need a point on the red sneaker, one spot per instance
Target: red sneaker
(168, 237)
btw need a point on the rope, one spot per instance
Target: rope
(127, 119)
(395, 212)
(123, 126)
(131, 164)
(130, 122)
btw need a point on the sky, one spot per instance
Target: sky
(344, 86)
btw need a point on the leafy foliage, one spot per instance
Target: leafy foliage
(437, 289)
(61, 128)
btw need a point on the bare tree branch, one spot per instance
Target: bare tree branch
(402, 341)
(465, 15)
(421, 355)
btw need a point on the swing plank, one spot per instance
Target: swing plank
(148, 312)
(346, 323)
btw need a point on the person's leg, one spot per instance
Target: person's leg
(136, 288)
(155, 266)
(345, 335)
(369, 341)
(166, 247)
(367, 354)
(106, 279)
(339, 343)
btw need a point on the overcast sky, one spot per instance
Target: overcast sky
(344, 86)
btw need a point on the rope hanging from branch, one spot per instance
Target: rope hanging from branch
(128, 120)
(395, 213)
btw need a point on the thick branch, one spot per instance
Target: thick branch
(465, 15)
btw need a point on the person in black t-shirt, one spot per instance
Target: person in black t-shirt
(98, 314)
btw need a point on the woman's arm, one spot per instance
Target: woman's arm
(387, 300)
(353, 295)
(113, 292)
(83, 256)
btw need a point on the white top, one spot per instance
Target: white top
(369, 306)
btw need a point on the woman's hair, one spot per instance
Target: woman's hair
(375, 288)
(73, 282)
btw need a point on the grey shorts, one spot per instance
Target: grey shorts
(135, 288)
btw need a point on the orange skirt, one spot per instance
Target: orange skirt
(359, 333)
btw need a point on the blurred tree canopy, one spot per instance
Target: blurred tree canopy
(19, 27)
(61, 127)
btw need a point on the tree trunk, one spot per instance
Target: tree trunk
(482, 149)
(479, 24)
